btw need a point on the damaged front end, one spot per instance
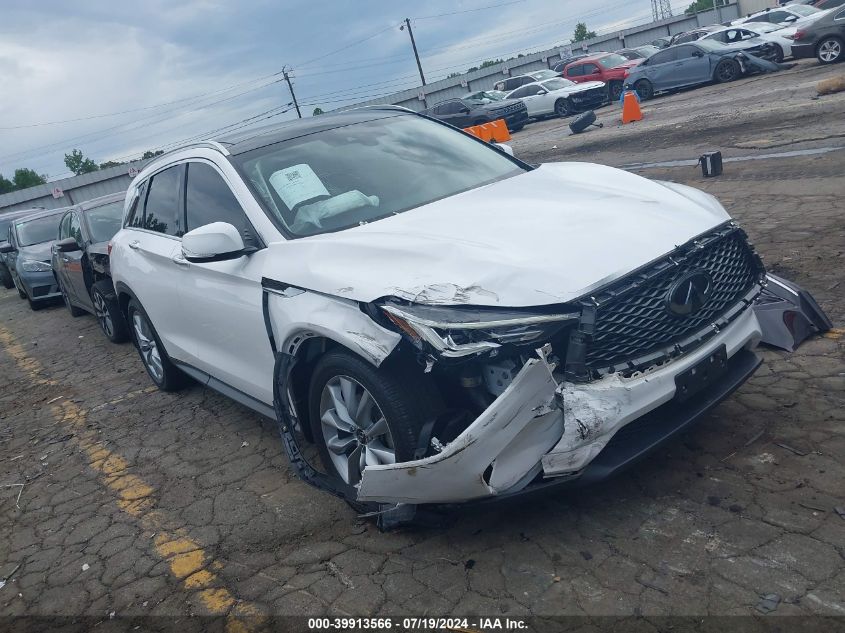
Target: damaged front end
(569, 393)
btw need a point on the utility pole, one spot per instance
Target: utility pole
(416, 55)
(292, 93)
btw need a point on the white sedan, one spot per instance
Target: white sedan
(560, 96)
(758, 32)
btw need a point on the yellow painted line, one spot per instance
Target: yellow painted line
(834, 333)
(188, 561)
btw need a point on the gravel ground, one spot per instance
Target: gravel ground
(136, 502)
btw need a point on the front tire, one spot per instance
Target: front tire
(21, 291)
(361, 415)
(644, 89)
(108, 313)
(163, 373)
(829, 50)
(563, 108)
(778, 54)
(726, 70)
(615, 91)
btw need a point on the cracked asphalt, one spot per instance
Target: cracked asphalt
(136, 502)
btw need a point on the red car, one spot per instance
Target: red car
(610, 68)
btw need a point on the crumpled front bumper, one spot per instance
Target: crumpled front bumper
(542, 423)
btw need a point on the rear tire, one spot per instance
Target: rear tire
(6, 277)
(726, 70)
(829, 50)
(107, 311)
(644, 89)
(403, 400)
(778, 54)
(163, 373)
(614, 91)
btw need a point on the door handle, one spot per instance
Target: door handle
(134, 244)
(65, 259)
(180, 261)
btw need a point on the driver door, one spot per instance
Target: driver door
(224, 297)
(536, 100)
(72, 264)
(692, 66)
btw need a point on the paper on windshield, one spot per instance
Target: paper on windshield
(297, 184)
(318, 211)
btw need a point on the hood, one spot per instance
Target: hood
(41, 252)
(543, 237)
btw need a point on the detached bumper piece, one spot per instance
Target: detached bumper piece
(788, 314)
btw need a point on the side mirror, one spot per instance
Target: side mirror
(698, 54)
(791, 18)
(213, 242)
(5, 247)
(68, 245)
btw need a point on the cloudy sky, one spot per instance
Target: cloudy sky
(114, 81)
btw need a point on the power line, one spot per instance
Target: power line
(491, 6)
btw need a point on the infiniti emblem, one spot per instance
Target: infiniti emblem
(689, 293)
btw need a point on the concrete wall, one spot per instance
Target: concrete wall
(485, 78)
(752, 6)
(76, 189)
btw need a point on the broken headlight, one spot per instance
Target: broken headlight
(455, 332)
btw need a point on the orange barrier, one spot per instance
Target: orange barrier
(493, 132)
(631, 108)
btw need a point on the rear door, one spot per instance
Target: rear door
(660, 68)
(60, 260)
(592, 72)
(224, 298)
(154, 266)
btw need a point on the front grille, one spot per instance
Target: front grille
(631, 315)
(514, 107)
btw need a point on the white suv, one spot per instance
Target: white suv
(443, 321)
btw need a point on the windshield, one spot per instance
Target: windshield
(542, 74)
(38, 230)
(558, 84)
(647, 51)
(612, 61)
(105, 221)
(486, 96)
(804, 9)
(339, 178)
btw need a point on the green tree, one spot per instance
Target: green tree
(6, 185)
(25, 177)
(317, 112)
(78, 164)
(581, 33)
(704, 5)
(152, 154)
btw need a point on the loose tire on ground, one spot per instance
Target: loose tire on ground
(582, 121)
(163, 373)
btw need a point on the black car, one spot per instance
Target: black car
(5, 222)
(639, 52)
(559, 66)
(81, 262)
(823, 39)
(465, 112)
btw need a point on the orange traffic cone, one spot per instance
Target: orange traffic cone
(631, 108)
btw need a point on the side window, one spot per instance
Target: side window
(454, 107)
(590, 69)
(135, 219)
(499, 85)
(209, 199)
(721, 36)
(163, 211)
(777, 16)
(685, 52)
(525, 80)
(519, 93)
(663, 57)
(74, 230)
(64, 227)
(575, 71)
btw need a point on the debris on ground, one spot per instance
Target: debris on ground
(840, 510)
(790, 449)
(11, 573)
(85, 566)
(768, 603)
(829, 86)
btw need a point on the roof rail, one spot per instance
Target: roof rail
(219, 147)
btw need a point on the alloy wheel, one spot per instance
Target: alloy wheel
(354, 428)
(102, 313)
(830, 50)
(147, 346)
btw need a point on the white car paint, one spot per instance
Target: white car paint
(590, 224)
(757, 33)
(796, 17)
(543, 101)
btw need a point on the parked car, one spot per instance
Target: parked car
(823, 39)
(697, 63)
(662, 42)
(467, 112)
(512, 83)
(560, 65)
(792, 15)
(80, 262)
(380, 282)
(639, 52)
(28, 245)
(607, 67)
(828, 4)
(744, 37)
(5, 222)
(693, 35)
(560, 97)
